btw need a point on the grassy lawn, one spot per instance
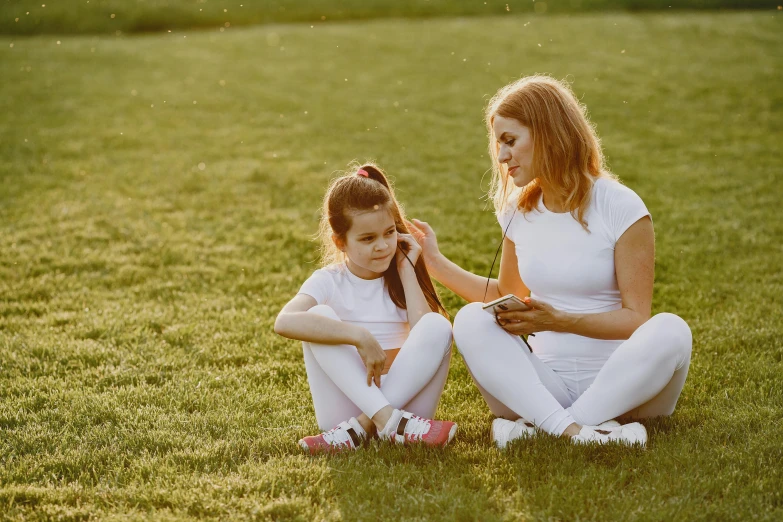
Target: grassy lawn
(129, 16)
(158, 195)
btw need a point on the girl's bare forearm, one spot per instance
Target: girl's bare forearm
(415, 300)
(313, 328)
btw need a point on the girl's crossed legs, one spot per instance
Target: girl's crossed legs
(642, 378)
(338, 377)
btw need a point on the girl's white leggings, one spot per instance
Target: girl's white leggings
(642, 378)
(338, 377)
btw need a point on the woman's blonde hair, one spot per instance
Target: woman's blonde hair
(352, 193)
(567, 154)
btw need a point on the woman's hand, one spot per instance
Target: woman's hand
(425, 237)
(407, 246)
(373, 356)
(540, 318)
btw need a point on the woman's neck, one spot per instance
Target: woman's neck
(552, 201)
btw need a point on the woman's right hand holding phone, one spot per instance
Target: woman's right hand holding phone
(373, 356)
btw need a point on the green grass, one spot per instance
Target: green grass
(131, 16)
(139, 374)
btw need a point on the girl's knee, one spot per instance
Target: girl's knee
(438, 326)
(436, 322)
(325, 311)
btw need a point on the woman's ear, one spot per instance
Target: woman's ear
(338, 242)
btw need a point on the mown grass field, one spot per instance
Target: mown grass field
(133, 16)
(158, 195)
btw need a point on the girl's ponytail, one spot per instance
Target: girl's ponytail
(377, 174)
(366, 187)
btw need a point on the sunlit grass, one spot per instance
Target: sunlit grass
(158, 195)
(139, 16)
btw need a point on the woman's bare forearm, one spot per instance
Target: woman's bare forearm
(615, 325)
(467, 285)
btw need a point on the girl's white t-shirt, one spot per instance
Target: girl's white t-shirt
(363, 302)
(570, 268)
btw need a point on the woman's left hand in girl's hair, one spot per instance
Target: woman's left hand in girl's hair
(540, 318)
(407, 246)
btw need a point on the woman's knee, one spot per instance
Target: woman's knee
(673, 332)
(674, 327)
(324, 310)
(470, 320)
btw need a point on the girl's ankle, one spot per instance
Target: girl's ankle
(367, 424)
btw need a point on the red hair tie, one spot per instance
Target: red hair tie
(363, 172)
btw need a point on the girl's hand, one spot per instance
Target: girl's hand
(373, 356)
(407, 246)
(425, 237)
(540, 318)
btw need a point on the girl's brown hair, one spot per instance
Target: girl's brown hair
(354, 193)
(567, 154)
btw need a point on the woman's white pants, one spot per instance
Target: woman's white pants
(642, 378)
(338, 377)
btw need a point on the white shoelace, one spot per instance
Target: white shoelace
(417, 427)
(338, 436)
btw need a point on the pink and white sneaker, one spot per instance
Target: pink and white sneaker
(406, 428)
(346, 436)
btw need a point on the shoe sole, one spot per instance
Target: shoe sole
(494, 440)
(452, 432)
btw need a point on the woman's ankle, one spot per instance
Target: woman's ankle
(572, 430)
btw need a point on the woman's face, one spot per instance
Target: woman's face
(515, 149)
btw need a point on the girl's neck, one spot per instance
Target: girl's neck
(361, 273)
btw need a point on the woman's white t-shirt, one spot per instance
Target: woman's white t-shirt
(363, 302)
(570, 268)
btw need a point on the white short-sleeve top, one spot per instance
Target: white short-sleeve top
(571, 268)
(363, 302)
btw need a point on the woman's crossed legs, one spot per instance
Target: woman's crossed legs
(642, 378)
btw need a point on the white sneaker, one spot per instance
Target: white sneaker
(504, 431)
(404, 427)
(607, 425)
(630, 434)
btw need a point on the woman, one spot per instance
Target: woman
(578, 248)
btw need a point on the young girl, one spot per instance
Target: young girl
(373, 304)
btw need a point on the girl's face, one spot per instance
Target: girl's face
(515, 149)
(371, 243)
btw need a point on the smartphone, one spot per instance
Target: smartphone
(507, 303)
